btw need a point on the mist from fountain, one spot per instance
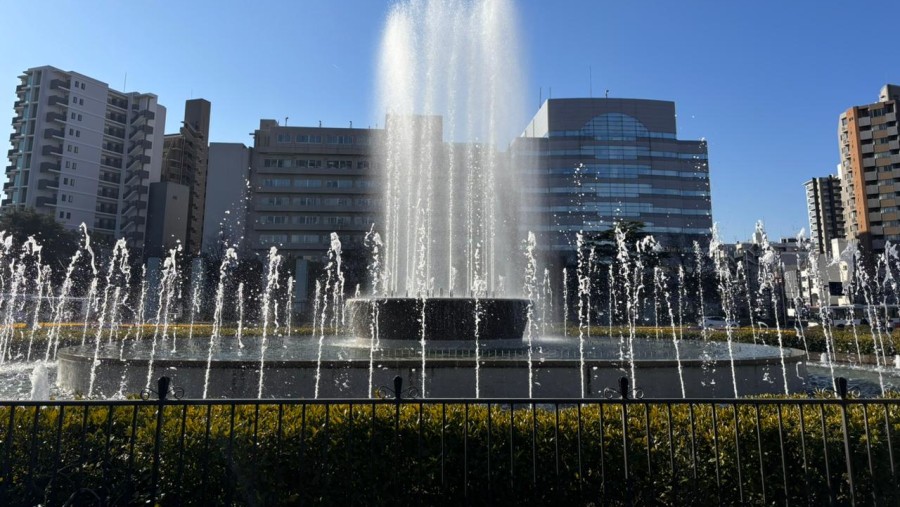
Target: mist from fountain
(460, 60)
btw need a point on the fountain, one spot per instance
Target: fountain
(456, 306)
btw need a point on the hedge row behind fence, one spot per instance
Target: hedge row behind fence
(761, 451)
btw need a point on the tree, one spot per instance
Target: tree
(59, 243)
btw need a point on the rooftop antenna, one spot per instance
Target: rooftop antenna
(125, 82)
(591, 81)
(540, 96)
(351, 123)
(607, 93)
(285, 120)
(320, 123)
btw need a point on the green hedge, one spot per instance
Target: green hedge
(813, 339)
(343, 455)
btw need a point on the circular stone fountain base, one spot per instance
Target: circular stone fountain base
(446, 318)
(290, 368)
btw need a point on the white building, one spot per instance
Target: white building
(84, 153)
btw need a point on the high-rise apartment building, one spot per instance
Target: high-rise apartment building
(600, 161)
(870, 171)
(84, 153)
(826, 212)
(185, 157)
(308, 182)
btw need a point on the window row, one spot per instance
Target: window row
(315, 183)
(621, 153)
(314, 163)
(621, 171)
(317, 139)
(315, 220)
(282, 200)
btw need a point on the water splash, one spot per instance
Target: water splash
(272, 272)
(228, 261)
(529, 290)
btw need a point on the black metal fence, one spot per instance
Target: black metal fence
(832, 450)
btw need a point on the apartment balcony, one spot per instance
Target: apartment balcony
(134, 191)
(145, 114)
(60, 84)
(45, 201)
(136, 175)
(137, 161)
(52, 150)
(59, 117)
(45, 184)
(133, 206)
(139, 145)
(140, 131)
(5, 202)
(57, 100)
(51, 133)
(137, 220)
(7, 185)
(19, 104)
(21, 88)
(10, 153)
(47, 167)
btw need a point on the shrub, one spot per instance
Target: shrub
(381, 453)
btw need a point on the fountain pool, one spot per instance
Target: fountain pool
(291, 365)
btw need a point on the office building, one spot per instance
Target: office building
(84, 153)
(225, 212)
(870, 171)
(307, 183)
(185, 157)
(600, 161)
(826, 212)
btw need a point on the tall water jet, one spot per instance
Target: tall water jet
(459, 61)
(224, 269)
(529, 290)
(272, 272)
(726, 291)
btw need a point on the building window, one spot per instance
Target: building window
(68, 147)
(73, 116)
(79, 117)
(76, 149)
(74, 99)
(80, 102)
(82, 85)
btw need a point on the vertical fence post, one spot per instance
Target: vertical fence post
(162, 392)
(624, 390)
(841, 384)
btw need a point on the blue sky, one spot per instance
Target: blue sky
(764, 82)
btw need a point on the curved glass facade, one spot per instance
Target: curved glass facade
(599, 161)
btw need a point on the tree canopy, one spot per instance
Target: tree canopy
(58, 242)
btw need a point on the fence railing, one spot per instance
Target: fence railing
(620, 450)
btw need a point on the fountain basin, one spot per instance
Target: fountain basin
(290, 368)
(446, 318)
